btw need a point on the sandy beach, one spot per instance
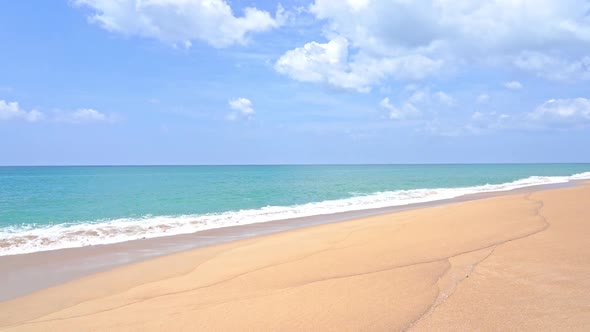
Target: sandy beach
(513, 262)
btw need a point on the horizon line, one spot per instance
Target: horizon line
(302, 164)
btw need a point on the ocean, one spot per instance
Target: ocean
(46, 208)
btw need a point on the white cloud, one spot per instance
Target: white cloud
(563, 112)
(407, 110)
(554, 67)
(12, 111)
(366, 37)
(181, 21)
(419, 101)
(242, 107)
(554, 113)
(483, 98)
(479, 123)
(445, 98)
(513, 85)
(84, 115)
(331, 63)
(465, 25)
(484, 122)
(314, 62)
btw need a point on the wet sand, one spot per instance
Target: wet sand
(512, 262)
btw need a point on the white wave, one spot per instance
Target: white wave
(28, 238)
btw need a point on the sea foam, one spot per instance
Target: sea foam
(31, 238)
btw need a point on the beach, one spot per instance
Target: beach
(317, 165)
(512, 262)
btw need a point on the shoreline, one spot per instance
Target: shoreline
(509, 262)
(23, 274)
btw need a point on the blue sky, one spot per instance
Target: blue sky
(323, 81)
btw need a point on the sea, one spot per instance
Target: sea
(54, 207)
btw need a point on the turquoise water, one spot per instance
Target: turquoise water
(52, 207)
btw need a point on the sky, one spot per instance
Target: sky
(109, 82)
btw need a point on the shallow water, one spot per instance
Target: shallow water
(44, 208)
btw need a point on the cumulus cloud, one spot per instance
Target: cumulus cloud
(552, 114)
(440, 33)
(182, 21)
(563, 112)
(243, 108)
(331, 63)
(84, 115)
(415, 104)
(513, 85)
(12, 111)
(407, 110)
(482, 26)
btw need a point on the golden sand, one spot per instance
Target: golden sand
(516, 262)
